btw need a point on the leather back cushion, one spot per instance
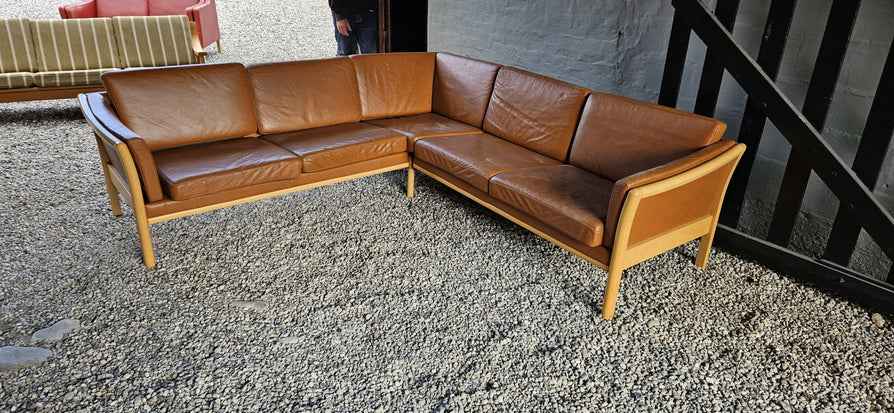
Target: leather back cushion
(534, 111)
(618, 136)
(394, 84)
(109, 8)
(183, 105)
(16, 48)
(462, 88)
(304, 94)
(169, 7)
(150, 41)
(74, 44)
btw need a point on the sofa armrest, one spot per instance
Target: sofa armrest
(114, 138)
(623, 186)
(196, 45)
(204, 14)
(81, 10)
(669, 212)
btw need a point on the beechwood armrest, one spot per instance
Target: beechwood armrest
(664, 214)
(196, 44)
(118, 165)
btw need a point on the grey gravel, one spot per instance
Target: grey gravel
(57, 331)
(381, 302)
(256, 305)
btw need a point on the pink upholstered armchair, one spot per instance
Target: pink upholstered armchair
(202, 12)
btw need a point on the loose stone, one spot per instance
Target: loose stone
(256, 305)
(57, 331)
(14, 358)
(878, 320)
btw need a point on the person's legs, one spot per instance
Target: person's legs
(366, 30)
(347, 45)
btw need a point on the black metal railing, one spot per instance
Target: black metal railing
(858, 206)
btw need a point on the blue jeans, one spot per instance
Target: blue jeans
(364, 34)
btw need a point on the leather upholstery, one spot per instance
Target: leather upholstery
(567, 198)
(423, 126)
(170, 206)
(196, 170)
(619, 137)
(534, 111)
(304, 94)
(476, 158)
(394, 84)
(339, 145)
(462, 88)
(168, 7)
(111, 8)
(200, 103)
(142, 155)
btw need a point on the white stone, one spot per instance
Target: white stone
(289, 340)
(257, 305)
(878, 320)
(57, 331)
(14, 358)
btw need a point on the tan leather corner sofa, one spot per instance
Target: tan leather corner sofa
(54, 59)
(614, 180)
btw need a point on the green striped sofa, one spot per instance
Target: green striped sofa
(53, 59)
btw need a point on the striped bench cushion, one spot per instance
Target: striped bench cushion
(148, 41)
(16, 48)
(69, 78)
(16, 80)
(74, 44)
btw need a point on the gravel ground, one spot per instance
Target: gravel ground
(353, 297)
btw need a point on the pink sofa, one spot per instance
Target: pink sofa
(202, 12)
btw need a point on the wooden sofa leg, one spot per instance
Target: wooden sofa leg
(411, 181)
(704, 249)
(611, 291)
(114, 201)
(218, 45)
(145, 239)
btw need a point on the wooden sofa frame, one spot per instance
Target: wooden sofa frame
(636, 239)
(67, 92)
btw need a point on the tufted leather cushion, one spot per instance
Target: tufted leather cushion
(534, 111)
(619, 137)
(394, 84)
(462, 88)
(304, 94)
(200, 103)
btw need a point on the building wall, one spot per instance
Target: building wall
(619, 46)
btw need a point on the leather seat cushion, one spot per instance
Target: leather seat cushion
(423, 126)
(565, 197)
(339, 145)
(476, 158)
(190, 171)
